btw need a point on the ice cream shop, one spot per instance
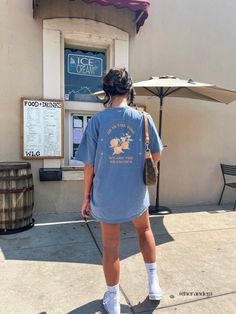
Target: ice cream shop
(54, 55)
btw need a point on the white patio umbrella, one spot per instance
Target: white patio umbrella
(170, 86)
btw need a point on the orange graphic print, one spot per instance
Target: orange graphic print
(120, 144)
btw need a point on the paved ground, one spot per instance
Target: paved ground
(56, 266)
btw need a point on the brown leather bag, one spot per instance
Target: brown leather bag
(150, 171)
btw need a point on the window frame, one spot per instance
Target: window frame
(73, 162)
(75, 107)
(81, 33)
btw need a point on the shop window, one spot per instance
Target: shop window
(78, 123)
(76, 54)
(83, 73)
(84, 70)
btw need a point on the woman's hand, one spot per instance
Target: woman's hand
(156, 157)
(88, 181)
(86, 209)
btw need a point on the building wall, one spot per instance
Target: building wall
(186, 39)
(21, 57)
(191, 39)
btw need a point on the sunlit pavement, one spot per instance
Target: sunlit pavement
(55, 267)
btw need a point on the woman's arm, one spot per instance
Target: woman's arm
(156, 157)
(88, 180)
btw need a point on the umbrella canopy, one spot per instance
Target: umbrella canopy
(171, 86)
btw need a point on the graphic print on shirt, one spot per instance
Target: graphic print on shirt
(121, 144)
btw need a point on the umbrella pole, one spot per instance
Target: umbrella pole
(159, 163)
(159, 209)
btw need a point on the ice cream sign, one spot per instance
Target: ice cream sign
(85, 65)
(83, 74)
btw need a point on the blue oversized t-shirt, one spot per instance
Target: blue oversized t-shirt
(114, 142)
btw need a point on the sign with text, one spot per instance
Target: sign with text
(42, 128)
(84, 71)
(85, 65)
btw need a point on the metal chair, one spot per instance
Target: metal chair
(228, 170)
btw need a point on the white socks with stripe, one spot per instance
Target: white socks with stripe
(114, 291)
(155, 292)
(111, 299)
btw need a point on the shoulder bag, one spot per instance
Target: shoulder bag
(150, 171)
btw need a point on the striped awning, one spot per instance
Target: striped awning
(140, 7)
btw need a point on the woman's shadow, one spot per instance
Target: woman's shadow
(96, 307)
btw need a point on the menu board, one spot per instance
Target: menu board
(42, 128)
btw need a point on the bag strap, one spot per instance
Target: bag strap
(146, 131)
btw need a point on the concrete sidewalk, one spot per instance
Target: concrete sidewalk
(56, 266)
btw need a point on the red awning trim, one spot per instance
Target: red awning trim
(140, 7)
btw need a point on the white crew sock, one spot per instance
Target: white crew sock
(114, 291)
(153, 281)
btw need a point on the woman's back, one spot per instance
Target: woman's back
(114, 142)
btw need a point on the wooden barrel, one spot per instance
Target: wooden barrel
(16, 197)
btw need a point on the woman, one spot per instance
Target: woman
(113, 150)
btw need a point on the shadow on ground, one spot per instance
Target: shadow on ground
(71, 240)
(67, 238)
(96, 307)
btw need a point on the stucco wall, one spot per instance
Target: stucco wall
(186, 39)
(191, 39)
(21, 57)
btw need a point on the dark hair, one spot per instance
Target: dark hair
(118, 82)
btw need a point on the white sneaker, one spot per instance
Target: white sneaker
(111, 305)
(155, 291)
(157, 295)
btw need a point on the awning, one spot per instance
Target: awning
(140, 7)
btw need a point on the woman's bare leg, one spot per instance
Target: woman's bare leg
(146, 239)
(111, 248)
(148, 248)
